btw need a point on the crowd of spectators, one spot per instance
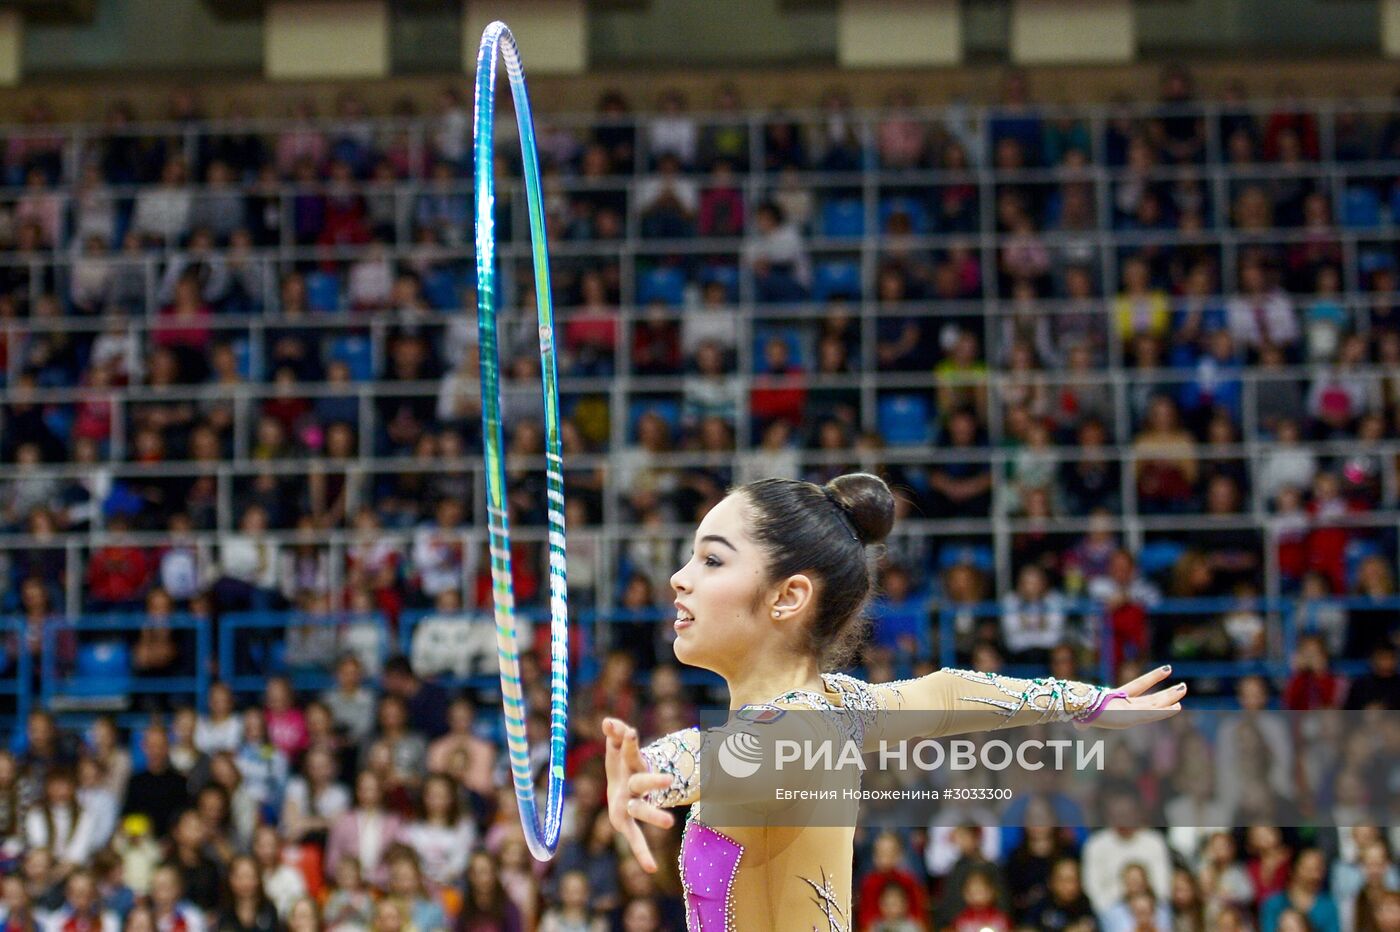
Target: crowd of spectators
(1041, 324)
(1152, 311)
(387, 805)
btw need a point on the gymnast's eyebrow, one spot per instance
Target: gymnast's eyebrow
(719, 540)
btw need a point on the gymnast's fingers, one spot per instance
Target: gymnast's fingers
(632, 752)
(1163, 698)
(639, 784)
(632, 833)
(644, 811)
(1145, 682)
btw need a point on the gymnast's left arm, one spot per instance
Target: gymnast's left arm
(951, 702)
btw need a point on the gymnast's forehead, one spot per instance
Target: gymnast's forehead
(728, 519)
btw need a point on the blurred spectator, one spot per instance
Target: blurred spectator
(1340, 394)
(961, 488)
(1371, 619)
(117, 574)
(962, 376)
(1262, 314)
(248, 563)
(1288, 464)
(1123, 842)
(365, 832)
(157, 791)
(1312, 685)
(1167, 465)
(777, 256)
(1139, 907)
(900, 137)
(1140, 308)
(900, 615)
(1033, 618)
(426, 702)
(1066, 907)
(1126, 598)
(162, 214)
(673, 132)
(1304, 893)
(780, 391)
(218, 207)
(1379, 687)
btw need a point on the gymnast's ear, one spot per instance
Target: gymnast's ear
(793, 597)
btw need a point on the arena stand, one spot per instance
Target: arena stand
(1132, 369)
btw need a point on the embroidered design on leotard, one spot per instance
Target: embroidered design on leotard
(677, 755)
(860, 704)
(825, 898)
(709, 862)
(1055, 700)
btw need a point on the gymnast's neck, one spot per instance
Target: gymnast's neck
(762, 679)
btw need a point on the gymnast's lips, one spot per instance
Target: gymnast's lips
(684, 618)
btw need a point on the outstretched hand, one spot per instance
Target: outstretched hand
(1141, 706)
(629, 781)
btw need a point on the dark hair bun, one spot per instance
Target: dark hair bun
(867, 501)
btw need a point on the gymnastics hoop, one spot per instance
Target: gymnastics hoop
(542, 840)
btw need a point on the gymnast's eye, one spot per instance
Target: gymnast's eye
(713, 560)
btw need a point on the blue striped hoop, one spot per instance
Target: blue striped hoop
(542, 839)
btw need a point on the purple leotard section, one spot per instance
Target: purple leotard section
(709, 861)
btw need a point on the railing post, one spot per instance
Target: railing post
(24, 670)
(202, 662)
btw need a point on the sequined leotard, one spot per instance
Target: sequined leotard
(785, 878)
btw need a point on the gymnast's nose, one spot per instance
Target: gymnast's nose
(679, 580)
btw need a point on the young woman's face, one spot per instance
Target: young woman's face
(718, 590)
(368, 793)
(387, 917)
(437, 798)
(303, 917)
(243, 879)
(481, 873)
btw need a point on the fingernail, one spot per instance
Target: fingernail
(1166, 668)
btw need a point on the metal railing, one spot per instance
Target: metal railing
(251, 646)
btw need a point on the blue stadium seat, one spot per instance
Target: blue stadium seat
(668, 408)
(843, 219)
(103, 669)
(323, 292)
(1159, 556)
(243, 356)
(910, 207)
(357, 353)
(269, 657)
(1370, 261)
(836, 280)
(1361, 208)
(726, 275)
(788, 335)
(904, 420)
(440, 290)
(59, 420)
(974, 555)
(664, 283)
(1358, 550)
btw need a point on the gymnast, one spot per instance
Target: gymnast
(771, 599)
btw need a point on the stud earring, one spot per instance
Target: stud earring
(777, 614)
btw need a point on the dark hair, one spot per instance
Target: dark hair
(398, 664)
(823, 530)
